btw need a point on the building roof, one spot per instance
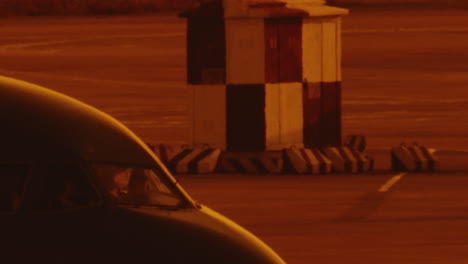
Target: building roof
(279, 8)
(267, 8)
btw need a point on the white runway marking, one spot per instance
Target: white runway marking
(4, 72)
(411, 30)
(391, 182)
(38, 44)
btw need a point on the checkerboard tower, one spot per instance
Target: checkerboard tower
(264, 74)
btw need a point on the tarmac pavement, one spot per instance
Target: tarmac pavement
(421, 218)
(404, 77)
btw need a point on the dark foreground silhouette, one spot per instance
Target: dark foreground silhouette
(79, 187)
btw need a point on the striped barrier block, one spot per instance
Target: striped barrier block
(365, 162)
(414, 158)
(345, 159)
(166, 152)
(196, 160)
(357, 142)
(307, 161)
(252, 163)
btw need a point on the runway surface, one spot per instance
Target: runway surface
(422, 218)
(404, 71)
(405, 79)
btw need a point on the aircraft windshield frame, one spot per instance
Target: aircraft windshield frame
(138, 186)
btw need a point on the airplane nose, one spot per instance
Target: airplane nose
(192, 236)
(242, 242)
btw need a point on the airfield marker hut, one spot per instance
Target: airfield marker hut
(264, 74)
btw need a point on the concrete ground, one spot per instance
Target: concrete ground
(404, 71)
(422, 218)
(405, 78)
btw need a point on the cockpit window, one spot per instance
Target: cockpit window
(12, 180)
(61, 186)
(128, 185)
